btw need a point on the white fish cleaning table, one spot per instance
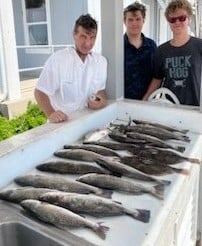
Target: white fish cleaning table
(173, 220)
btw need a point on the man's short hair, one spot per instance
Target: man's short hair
(136, 6)
(87, 22)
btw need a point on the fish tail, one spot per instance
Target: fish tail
(105, 193)
(101, 230)
(186, 139)
(141, 215)
(159, 191)
(181, 171)
(194, 160)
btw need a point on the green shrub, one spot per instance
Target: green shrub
(32, 118)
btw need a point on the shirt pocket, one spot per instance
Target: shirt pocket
(69, 91)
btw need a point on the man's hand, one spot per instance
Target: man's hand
(57, 117)
(99, 101)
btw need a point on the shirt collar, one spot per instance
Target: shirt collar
(144, 43)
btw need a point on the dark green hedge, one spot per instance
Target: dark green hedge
(32, 118)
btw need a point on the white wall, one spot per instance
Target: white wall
(9, 47)
(94, 10)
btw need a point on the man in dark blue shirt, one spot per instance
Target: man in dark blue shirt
(138, 53)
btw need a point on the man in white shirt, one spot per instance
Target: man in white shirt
(71, 76)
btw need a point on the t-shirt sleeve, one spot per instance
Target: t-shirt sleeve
(158, 65)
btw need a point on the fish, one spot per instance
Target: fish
(18, 194)
(160, 133)
(78, 154)
(122, 184)
(149, 166)
(96, 134)
(154, 141)
(122, 138)
(95, 206)
(61, 217)
(161, 156)
(115, 145)
(70, 167)
(124, 170)
(94, 148)
(158, 125)
(59, 183)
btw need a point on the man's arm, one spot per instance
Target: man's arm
(100, 100)
(45, 105)
(154, 85)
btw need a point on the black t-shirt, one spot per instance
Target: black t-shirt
(180, 69)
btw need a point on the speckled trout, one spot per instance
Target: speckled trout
(19, 194)
(78, 154)
(95, 148)
(58, 183)
(61, 217)
(64, 166)
(122, 184)
(93, 205)
(123, 170)
(158, 125)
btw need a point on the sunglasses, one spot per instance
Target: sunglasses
(181, 18)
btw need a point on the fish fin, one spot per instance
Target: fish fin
(180, 149)
(129, 121)
(142, 215)
(114, 158)
(164, 182)
(187, 140)
(116, 174)
(101, 230)
(80, 214)
(118, 202)
(105, 193)
(181, 171)
(159, 191)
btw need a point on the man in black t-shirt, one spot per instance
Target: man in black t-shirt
(178, 62)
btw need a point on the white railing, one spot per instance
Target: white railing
(38, 47)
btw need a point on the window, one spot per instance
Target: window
(36, 22)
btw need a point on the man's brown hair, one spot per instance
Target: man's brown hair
(136, 6)
(178, 4)
(87, 22)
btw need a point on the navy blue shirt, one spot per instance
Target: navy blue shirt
(138, 67)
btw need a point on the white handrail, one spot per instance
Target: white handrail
(52, 47)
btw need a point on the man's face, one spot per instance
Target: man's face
(84, 40)
(179, 21)
(134, 22)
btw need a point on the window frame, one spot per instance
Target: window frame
(37, 49)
